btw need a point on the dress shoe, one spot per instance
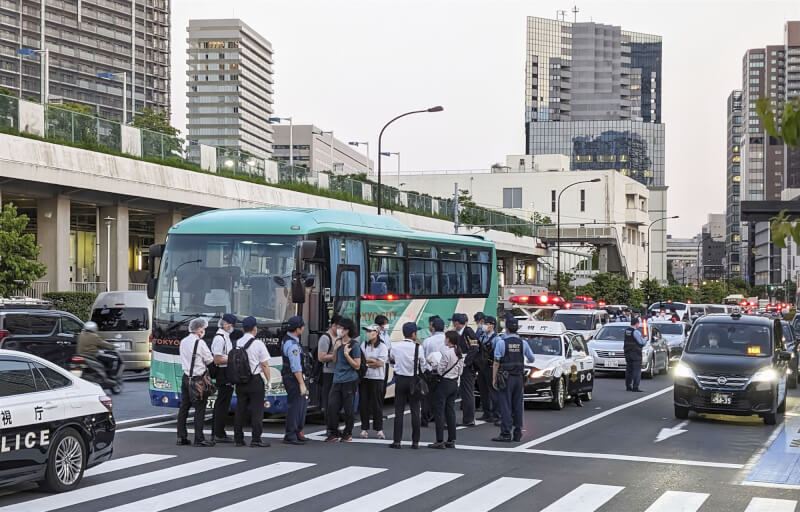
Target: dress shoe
(297, 442)
(486, 418)
(259, 444)
(501, 439)
(450, 444)
(183, 442)
(415, 446)
(396, 446)
(579, 402)
(439, 445)
(204, 443)
(628, 389)
(239, 444)
(637, 390)
(466, 424)
(303, 438)
(222, 439)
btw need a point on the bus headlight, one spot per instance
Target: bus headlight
(765, 375)
(683, 370)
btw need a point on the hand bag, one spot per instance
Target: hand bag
(419, 387)
(200, 387)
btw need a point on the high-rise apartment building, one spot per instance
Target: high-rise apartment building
(712, 250)
(85, 38)
(230, 79)
(733, 260)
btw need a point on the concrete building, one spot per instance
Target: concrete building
(735, 264)
(229, 95)
(610, 215)
(790, 256)
(712, 249)
(84, 38)
(682, 253)
(319, 150)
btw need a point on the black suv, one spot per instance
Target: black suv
(733, 365)
(790, 334)
(49, 334)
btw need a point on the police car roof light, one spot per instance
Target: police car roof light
(543, 299)
(736, 315)
(519, 299)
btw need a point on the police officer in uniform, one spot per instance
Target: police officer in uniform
(292, 374)
(634, 341)
(468, 343)
(509, 355)
(491, 410)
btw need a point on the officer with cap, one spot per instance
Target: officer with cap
(293, 382)
(509, 355)
(480, 320)
(488, 343)
(634, 341)
(468, 343)
(219, 349)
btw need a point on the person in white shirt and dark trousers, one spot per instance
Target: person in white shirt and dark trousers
(370, 391)
(432, 344)
(404, 353)
(250, 396)
(449, 368)
(195, 358)
(219, 349)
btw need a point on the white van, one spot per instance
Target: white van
(125, 319)
(582, 321)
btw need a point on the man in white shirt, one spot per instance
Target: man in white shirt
(219, 349)
(250, 396)
(404, 362)
(195, 357)
(432, 345)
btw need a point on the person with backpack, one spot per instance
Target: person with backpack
(294, 383)
(409, 364)
(347, 360)
(248, 368)
(325, 357)
(219, 349)
(449, 369)
(375, 354)
(195, 358)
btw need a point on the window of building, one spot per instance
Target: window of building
(512, 197)
(583, 200)
(552, 200)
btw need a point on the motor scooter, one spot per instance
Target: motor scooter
(94, 370)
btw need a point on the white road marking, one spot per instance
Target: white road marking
(666, 433)
(772, 485)
(303, 490)
(208, 489)
(207, 431)
(770, 505)
(592, 419)
(397, 493)
(157, 417)
(675, 501)
(93, 492)
(125, 463)
(490, 495)
(586, 498)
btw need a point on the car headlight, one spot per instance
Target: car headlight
(537, 374)
(683, 370)
(765, 375)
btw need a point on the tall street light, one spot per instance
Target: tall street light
(321, 133)
(45, 73)
(437, 108)
(396, 153)
(111, 76)
(291, 130)
(699, 263)
(648, 240)
(558, 230)
(356, 143)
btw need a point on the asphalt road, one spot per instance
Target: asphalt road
(603, 456)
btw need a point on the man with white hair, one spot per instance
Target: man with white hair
(195, 357)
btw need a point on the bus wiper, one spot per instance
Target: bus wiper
(188, 316)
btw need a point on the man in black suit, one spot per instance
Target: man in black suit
(468, 343)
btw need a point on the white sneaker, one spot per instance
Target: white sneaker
(380, 435)
(364, 434)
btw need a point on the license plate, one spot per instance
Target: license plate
(721, 398)
(122, 346)
(612, 363)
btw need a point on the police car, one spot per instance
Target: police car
(563, 366)
(53, 425)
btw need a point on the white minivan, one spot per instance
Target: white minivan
(582, 321)
(124, 319)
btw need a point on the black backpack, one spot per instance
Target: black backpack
(362, 370)
(238, 370)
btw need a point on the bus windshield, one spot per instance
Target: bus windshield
(209, 275)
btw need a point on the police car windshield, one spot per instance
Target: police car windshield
(730, 339)
(669, 327)
(544, 345)
(613, 332)
(576, 322)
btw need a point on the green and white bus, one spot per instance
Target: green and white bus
(272, 263)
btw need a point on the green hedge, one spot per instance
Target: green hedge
(77, 303)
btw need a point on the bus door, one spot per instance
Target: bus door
(347, 300)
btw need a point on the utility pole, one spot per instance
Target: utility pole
(575, 12)
(456, 207)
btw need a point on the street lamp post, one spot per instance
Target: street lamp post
(699, 263)
(437, 108)
(356, 143)
(396, 153)
(321, 133)
(108, 220)
(45, 73)
(291, 131)
(648, 240)
(558, 230)
(111, 76)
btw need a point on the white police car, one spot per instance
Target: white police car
(563, 366)
(53, 425)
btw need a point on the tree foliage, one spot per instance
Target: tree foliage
(77, 303)
(18, 253)
(470, 214)
(155, 120)
(80, 108)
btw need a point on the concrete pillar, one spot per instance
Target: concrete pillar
(52, 234)
(164, 221)
(602, 257)
(119, 246)
(131, 140)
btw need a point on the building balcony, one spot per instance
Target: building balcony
(636, 216)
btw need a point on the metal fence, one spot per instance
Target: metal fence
(160, 145)
(9, 112)
(75, 128)
(240, 163)
(37, 289)
(88, 286)
(137, 287)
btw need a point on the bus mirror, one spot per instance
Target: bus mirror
(307, 249)
(279, 281)
(309, 281)
(152, 284)
(156, 251)
(298, 291)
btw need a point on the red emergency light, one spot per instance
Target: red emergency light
(601, 303)
(568, 305)
(519, 299)
(388, 296)
(688, 301)
(743, 302)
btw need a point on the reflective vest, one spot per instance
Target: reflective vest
(631, 345)
(513, 360)
(286, 369)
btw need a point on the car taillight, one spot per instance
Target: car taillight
(106, 402)
(78, 359)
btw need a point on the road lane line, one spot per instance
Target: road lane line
(303, 490)
(397, 493)
(207, 432)
(675, 501)
(125, 463)
(207, 489)
(158, 417)
(93, 492)
(585, 497)
(490, 495)
(771, 485)
(592, 419)
(770, 505)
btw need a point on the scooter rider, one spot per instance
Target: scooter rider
(91, 344)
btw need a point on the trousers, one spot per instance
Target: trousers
(343, 395)
(484, 388)
(403, 396)
(296, 405)
(511, 405)
(444, 409)
(327, 383)
(633, 370)
(466, 390)
(249, 403)
(222, 405)
(183, 413)
(370, 403)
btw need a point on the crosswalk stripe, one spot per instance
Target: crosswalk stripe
(490, 496)
(125, 463)
(771, 505)
(93, 492)
(397, 493)
(585, 497)
(200, 491)
(675, 501)
(303, 490)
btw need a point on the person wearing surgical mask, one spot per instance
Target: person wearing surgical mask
(713, 340)
(219, 349)
(325, 356)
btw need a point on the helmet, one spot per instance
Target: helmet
(90, 326)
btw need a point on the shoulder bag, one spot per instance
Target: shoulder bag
(200, 387)
(419, 387)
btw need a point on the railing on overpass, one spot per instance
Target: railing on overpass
(88, 286)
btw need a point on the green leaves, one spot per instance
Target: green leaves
(764, 111)
(18, 253)
(790, 120)
(782, 227)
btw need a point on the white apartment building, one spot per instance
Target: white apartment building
(319, 150)
(230, 79)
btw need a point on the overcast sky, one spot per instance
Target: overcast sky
(351, 65)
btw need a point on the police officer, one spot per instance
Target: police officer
(508, 361)
(480, 320)
(634, 341)
(491, 410)
(292, 373)
(468, 343)
(219, 349)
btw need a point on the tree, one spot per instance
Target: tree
(651, 290)
(7, 92)
(612, 288)
(155, 120)
(565, 278)
(737, 285)
(712, 292)
(470, 214)
(80, 108)
(152, 144)
(18, 253)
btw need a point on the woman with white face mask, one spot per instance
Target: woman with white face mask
(325, 356)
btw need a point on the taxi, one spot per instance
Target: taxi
(53, 425)
(563, 368)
